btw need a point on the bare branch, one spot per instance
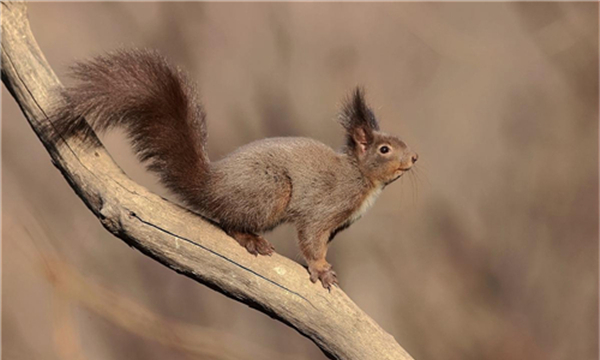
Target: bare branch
(179, 238)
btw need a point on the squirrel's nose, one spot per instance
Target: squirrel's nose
(414, 158)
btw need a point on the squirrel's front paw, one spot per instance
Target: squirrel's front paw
(325, 274)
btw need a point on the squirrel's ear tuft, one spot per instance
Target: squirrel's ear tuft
(358, 120)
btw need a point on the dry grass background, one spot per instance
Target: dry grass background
(489, 251)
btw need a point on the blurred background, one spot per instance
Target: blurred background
(488, 250)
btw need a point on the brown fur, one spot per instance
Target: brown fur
(258, 186)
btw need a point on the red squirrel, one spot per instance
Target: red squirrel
(256, 187)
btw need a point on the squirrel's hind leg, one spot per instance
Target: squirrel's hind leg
(255, 244)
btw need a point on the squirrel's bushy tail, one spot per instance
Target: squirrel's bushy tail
(156, 105)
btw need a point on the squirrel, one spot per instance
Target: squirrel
(256, 187)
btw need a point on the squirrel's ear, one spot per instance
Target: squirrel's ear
(358, 120)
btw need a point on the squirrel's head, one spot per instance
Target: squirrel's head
(381, 157)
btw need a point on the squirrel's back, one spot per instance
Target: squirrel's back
(278, 180)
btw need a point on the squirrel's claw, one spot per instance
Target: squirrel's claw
(327, 276)
(328, 279)
(263, 247)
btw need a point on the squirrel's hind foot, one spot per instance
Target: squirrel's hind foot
(255, 244)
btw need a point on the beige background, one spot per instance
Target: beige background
(488, 251)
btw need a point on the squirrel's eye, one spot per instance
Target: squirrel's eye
(384, 149)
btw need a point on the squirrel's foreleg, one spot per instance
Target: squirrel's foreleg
(313, 245)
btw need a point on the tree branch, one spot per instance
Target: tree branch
(177, 237)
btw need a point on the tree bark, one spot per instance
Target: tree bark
(176, 237)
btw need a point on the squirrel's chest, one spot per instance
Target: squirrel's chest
(363, 206)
